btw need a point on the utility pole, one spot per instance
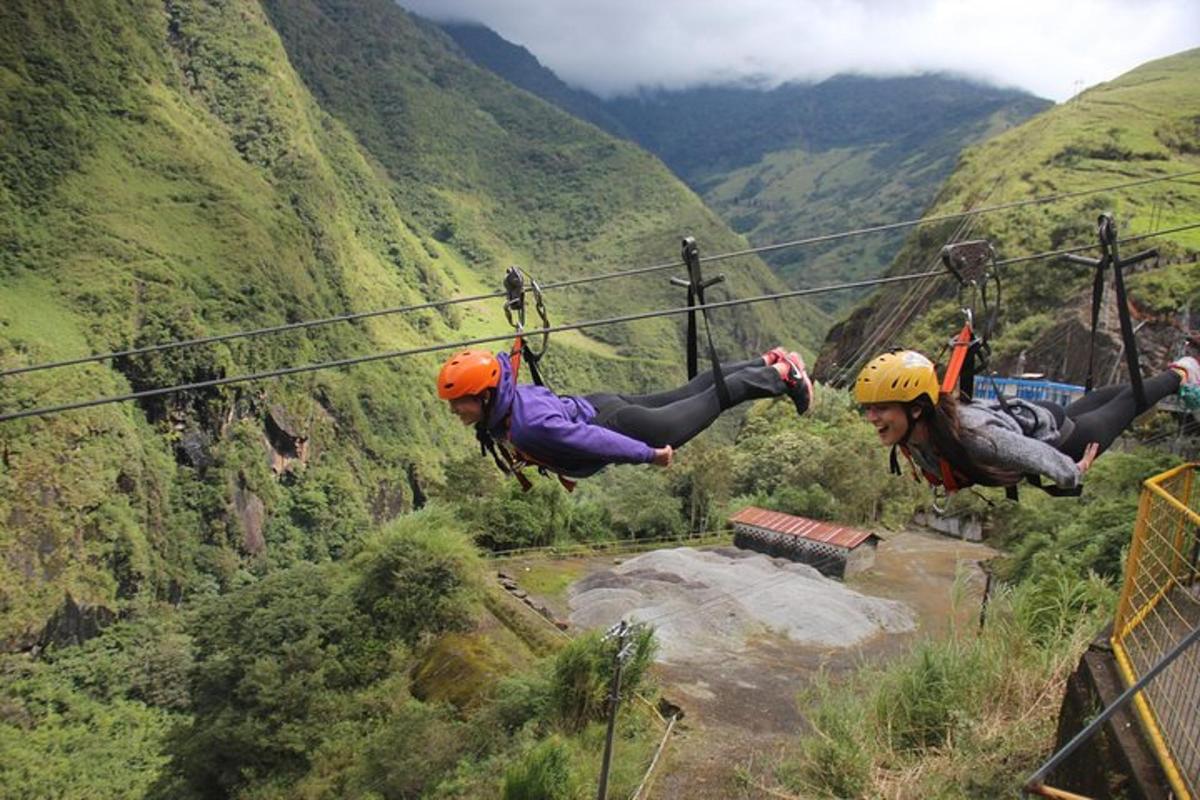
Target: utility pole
(623, 633)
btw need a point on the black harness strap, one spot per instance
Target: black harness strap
(507, 464)
(1106, 228)
(696, 285)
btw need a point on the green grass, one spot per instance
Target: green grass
(547, 579)
(965, 716)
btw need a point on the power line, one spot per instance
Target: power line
(345, 362)
(350, 317)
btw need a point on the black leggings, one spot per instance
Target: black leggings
(675, 416)
(1103, 414)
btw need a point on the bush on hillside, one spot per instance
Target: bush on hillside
(583, 671)
(966, 715)
(279, 660)
(544, 773)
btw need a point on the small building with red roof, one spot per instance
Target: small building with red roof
(835, 550)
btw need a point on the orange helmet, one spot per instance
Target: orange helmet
(466, 373)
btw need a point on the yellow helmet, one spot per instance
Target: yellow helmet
(897, 377)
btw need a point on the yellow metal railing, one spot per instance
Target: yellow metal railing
(1159, 606)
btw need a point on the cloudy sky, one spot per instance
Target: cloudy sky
(1052, 48)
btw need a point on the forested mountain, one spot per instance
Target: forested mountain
(1141, 125)
(200, 594)
(182, 169)
(798, 160)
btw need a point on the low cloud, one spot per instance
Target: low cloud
(1053, 49)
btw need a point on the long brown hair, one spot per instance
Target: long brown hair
(946, 436)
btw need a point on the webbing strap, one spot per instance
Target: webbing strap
(522, 351)
(1107, 231)
(960, 348)
(1108, 240)
(696, 285)
(1097, 300)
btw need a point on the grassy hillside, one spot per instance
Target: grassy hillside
(1142, 124)
(181, 169)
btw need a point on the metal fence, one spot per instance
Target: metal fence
(1027, 389)
(1036, 389)
(1159, 606)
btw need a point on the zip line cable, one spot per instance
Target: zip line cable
(345, 362)
(945, 217)
(350, 317)
(844, 371)
(895, 320)
(1081, 248)
(43, 411)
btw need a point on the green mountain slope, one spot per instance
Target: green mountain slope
(186, 168)
(1142, 124)
(798, 160)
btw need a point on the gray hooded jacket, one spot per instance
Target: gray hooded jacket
(1020, 440)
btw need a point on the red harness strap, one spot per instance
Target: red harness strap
(514, 355)
(522, 459)
(950, 478)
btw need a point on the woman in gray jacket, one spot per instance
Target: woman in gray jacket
(992, 442)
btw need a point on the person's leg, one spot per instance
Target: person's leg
(1103, 423)
(695, 386)
(676, 423)
(1094, 399)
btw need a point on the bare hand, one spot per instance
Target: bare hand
(663, 456)
(1089, 455)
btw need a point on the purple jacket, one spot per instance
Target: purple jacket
(557, 431)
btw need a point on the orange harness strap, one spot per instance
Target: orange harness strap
(958, 356)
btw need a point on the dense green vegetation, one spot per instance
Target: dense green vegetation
(270, 629)
(299, 686)
(177, 170)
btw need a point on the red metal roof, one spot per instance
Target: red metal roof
(827, 533)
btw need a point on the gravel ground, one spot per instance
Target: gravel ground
(709, 604)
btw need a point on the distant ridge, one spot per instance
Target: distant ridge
(796, 160)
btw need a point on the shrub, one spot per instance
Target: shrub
(543, 774)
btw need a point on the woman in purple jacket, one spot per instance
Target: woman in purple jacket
(579, 436)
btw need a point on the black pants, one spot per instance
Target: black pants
(675, 416)
(1103, 414)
